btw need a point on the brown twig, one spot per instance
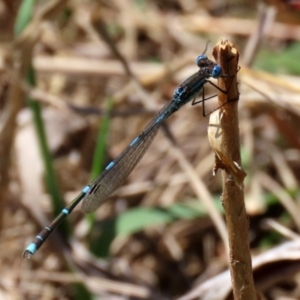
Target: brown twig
(235, 26)
(224, 138)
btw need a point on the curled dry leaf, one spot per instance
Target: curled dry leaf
(222, 160)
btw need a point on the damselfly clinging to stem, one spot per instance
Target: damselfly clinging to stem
(94, 194)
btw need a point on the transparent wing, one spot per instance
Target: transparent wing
(111, 179)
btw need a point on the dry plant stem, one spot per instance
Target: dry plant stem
(265, 19)
(227, 56)
(235, 26)
(97, 284)
(201, 192)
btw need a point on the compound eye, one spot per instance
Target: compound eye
(201, 60)
(216, 71)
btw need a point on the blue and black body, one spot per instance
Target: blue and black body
(116, 172)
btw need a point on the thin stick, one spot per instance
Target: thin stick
(224, 138)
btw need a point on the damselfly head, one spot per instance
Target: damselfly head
(202, 61)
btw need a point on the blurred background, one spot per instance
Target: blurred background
(78, 81)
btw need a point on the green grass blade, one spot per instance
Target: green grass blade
(99, 154)
(99, 159)
(24, 17)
